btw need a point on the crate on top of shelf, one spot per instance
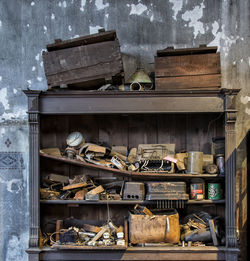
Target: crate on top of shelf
(85, 62)
(188, 69)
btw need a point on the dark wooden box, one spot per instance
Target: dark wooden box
(193, 68)
(86, 62)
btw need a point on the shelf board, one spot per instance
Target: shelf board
(137, 175)
(123, 202)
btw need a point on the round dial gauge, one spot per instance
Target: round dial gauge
(74, 139)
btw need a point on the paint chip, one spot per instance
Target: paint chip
(75, 36)
(70, 28)
(39, 78)
(32, 3)
(41, 63)
(33, 68)
(193, 18)
(83, 3)
(137, 9)
(245, 99)
(28, 25)
(247, 111)
(37, 56)
(64, 4)
(241, 60)
(1, 78)
(234, 62)
(107, 15)
(15, 91)
(52, 16)
(45, 29)
(60, 4)
(0, 23)
(94, 29)
(177, 6)
(99, 4)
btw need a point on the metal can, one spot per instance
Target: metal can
(197, 189)
(220, 164)
(214, 191)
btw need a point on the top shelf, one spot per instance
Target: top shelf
(116, 102)
(137, 175)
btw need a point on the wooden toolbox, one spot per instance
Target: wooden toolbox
(86, 62)
(190, 68)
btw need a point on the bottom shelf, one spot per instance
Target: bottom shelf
(138, 253)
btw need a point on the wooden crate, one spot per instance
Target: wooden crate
(86, 62)
(191, 68)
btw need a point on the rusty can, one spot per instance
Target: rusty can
(220, 162)
(197, 189)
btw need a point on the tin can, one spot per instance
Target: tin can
(214, 191)
(197, 189)
(220, 164)
(195, 162)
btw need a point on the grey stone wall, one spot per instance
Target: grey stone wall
(143, 27)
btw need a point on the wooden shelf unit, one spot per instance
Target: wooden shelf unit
(180, 117)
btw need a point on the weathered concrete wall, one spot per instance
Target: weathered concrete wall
(26, 26)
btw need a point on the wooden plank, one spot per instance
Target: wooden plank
(117, 104)
(187, 51)
(187, 65)
(83, 40)
(188, 82)
(74, 186)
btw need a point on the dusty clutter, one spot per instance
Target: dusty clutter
(76, 232)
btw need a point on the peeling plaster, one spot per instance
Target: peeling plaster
(193, 17)
(94, 29)
(33, 68)
(28, 25)
(1, 78)
(52, 16)
(70, 28)
(14, 91)
(45, 29)
(107, 15)
(64, 4)
(60, 4)
(3, 98)
(0, 23)
(137, 9)
(13, 186)
(29, 83)
(37, 57)
(177, 6)
(247, 110)
(39, 78)
(83, 3)
(245, 99)
(99, 5)
(32, 3)
(41, 63)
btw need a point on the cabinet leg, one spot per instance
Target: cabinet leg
(231, 256)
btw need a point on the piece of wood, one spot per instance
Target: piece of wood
(91, 228)
(212, 81)
(52, 151)
(74, 186)
(96, 190)
(80, 195)
(96, 149)
(187, 65)
(187, 51)
(59, 224)
(83, 40)
(213, 232)
(100, 233)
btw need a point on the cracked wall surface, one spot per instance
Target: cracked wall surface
(143, 27)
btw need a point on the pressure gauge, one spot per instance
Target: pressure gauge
(75, 139)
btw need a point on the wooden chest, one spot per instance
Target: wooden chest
(86, 62)
(193, 68)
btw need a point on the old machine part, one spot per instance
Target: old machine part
(151, 157)
(70, 152)
(220, 162)
(197, 189)
(211, 169)
(167, 194)
(75, 139)
(143, 210)
(134, 191)
(119, 163)
(180, 161)
(214, 191)
(140, 81)
(195, 162)
(159, 228)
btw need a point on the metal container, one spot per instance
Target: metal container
(194, 162)
(214, 191)
(197, 189)
(220, 162)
